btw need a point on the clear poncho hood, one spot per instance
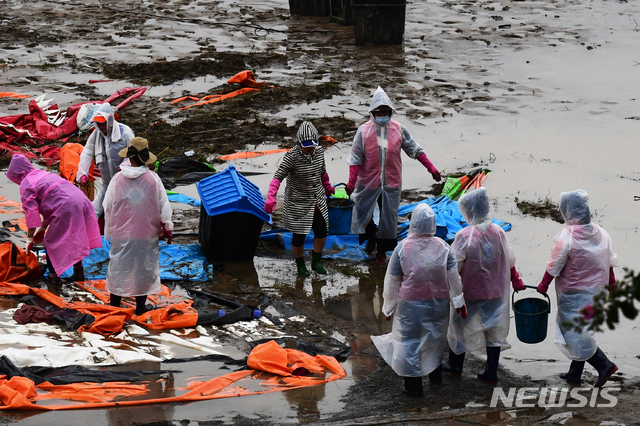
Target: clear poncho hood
(379, 99)
(574, 207)
(475, 208)
(423, 221)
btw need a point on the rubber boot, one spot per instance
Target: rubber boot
(316, 263)
(371, 243)
(436, 375)
(115, 300)
(302, 268)
(574, 375)
(141, 306)
(78, 272)
(603, 365)
(413, 386)
(454, 365)
(490, 373)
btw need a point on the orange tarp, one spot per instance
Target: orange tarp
(20, 393)
(17, 264)
(217, 98)
(13, 95)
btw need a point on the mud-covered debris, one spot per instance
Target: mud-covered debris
(541, 208)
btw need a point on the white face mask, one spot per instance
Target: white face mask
(383, 120)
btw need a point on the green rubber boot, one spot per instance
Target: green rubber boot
(316, 263)
(302, 268)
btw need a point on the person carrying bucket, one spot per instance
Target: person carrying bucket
(305, 202)
(582, 261)
(375, 175)
(486, 262)
(420, 286)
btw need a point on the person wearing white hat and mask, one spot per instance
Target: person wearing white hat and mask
(375, 175)
(108, 138)
(137, 215)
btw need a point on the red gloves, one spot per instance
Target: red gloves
(612, 278)
(326, 183)
(388, 318)
(462, 311)
(422, 158)
(516, 282)
(84, 179)
(164, 234)
(270, 203)
(353, 177)
(544, 284)
(38, 236)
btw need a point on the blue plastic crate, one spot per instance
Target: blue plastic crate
(228, 191)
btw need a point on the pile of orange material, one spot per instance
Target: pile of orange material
(246, 79)
(20, 393)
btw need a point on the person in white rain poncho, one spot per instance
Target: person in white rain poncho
(375, 175)
(108, 138)
(486, 264)
(420, 284)
(582, 261)
(137, 215)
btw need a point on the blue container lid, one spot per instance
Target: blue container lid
(228, 191)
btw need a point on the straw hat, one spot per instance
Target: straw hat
(139, 147)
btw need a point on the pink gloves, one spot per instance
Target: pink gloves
(166, 235)
(612, 278)
(462, 311)
(84, 179)
(544, 284)
(353, 177)
(422, 158)
(516, 282)
(326, 183)
(270, 203)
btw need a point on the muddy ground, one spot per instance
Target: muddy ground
(459, 66)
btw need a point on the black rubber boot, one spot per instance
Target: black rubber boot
(436, 375)
(141, 305)
(115, 300)
(574, 375)
(603, 365)
(413, 386)
(316, 263)
(78, 272)
(454, 365)
(490, 374)
(302, 268)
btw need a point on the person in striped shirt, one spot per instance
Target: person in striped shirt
(305, 202)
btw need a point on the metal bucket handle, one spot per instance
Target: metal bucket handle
(513, 301)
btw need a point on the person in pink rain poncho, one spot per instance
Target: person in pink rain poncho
(68, 227)
(375, 175)
(582, 261)
(486, 262)
(137, 214)
(421, 287)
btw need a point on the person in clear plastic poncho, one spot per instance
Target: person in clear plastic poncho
(108, 138)
(486, 263)
(137, 214)
(375, 174)
(420, 284)
(582, 261)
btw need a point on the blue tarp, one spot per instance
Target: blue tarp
(177, 262)
(181, 198)
(449, 222)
